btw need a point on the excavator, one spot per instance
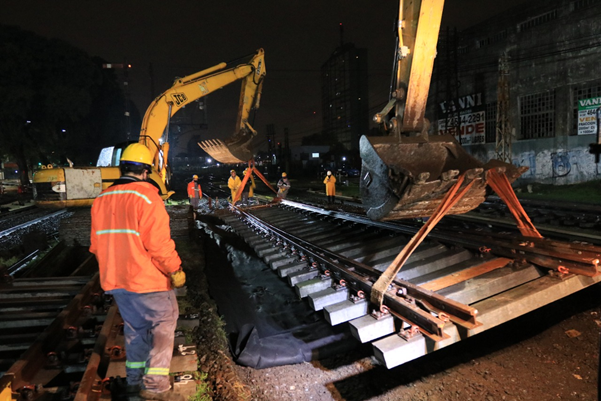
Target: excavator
(78, 186)
(407, 172)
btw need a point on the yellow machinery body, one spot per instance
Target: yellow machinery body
(78, 186)
(57, 188)
(407, 172)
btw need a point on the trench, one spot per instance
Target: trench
(266, 323)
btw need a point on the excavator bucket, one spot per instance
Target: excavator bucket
(229, 151)
(408, 177)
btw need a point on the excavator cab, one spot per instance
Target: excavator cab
(407, 173)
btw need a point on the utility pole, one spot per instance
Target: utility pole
(503, 135)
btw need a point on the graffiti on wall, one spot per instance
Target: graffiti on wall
(558, 166)
(560, 163)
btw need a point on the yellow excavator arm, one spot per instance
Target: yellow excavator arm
(192, 87)
(407, 173)
(79, 186)
(417, 35)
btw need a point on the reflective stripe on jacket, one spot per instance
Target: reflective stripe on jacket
(131, 239)
(192, 192)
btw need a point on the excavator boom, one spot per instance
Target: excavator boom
(407, 173)
(190, 88)
(69, 186)
(237, 148)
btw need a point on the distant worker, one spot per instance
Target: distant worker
(283, 186)
(139, 267)
(233, 183)
(248, 191)
(194, 192)
(330, 182)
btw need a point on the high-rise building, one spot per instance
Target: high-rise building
(344, 88)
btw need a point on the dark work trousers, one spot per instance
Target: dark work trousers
(149, 327)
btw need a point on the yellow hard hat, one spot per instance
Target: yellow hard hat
(284, 175)
(195, 177)
(136, 153)
(232, 171)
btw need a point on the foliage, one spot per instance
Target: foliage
(203, 388)
(56, 101)
(586, 192)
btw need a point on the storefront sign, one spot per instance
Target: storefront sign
(472, 127)
(587, 115)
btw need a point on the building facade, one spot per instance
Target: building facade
(344, 88)
(529, 78)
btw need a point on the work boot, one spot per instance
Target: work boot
(167, 395)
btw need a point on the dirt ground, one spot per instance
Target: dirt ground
(546, 355)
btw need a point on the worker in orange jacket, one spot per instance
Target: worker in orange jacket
(139, 267)
(194, 192)
(330, 182)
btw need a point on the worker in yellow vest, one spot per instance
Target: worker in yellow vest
(330, 182)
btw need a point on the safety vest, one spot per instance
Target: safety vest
(131, 238)
(192, 189)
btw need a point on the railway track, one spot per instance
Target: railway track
(62, 338)
(460, 282)
(455, 285)
(15, 225)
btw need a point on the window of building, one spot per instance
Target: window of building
(537, 115)
(497, 37)
(579, 93)
(491, 123)
(580, 4)
(538, 20)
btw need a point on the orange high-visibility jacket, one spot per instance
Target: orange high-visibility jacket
(131, 238)
(330, 182)
(191, 193)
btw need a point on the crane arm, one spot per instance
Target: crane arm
(192, 87)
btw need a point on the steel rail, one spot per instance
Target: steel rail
(577, 258)
(22, 374)
(38, 220)
(409, 302)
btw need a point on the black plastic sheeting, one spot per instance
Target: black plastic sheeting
(268, 325)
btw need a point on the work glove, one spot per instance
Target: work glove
(178, 279)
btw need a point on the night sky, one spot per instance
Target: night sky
(180, 37)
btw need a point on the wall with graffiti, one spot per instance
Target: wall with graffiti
(549, 162)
